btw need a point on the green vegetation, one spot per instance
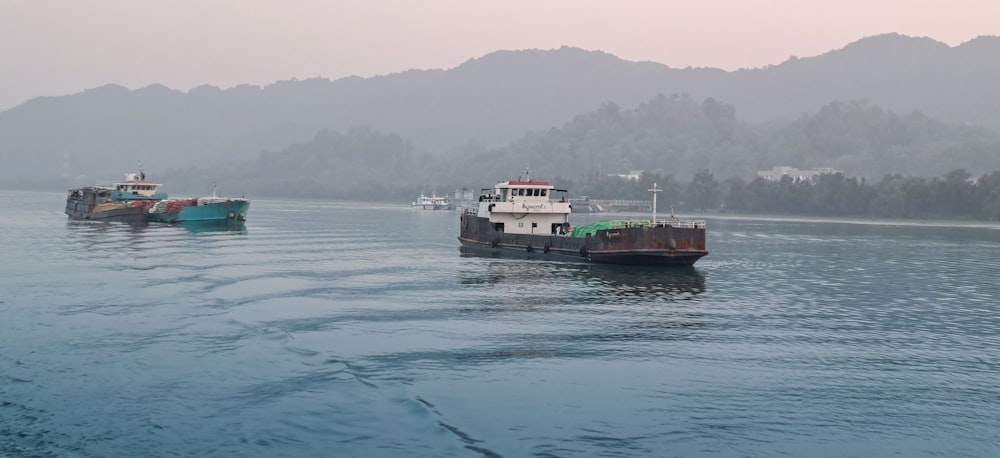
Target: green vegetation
(682, 145)
(955, 195)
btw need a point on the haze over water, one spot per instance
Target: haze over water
(343, 329)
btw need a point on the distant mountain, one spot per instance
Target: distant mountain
(899, 73)
(56, 142)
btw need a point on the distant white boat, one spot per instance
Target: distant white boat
(433, 202)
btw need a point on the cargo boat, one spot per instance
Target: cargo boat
(200, 209)
(523, 216)
(121, 201)
(137, 200)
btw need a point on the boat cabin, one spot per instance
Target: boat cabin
(135, 187)
(525, 207)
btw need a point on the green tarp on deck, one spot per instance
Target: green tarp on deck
(592, 229)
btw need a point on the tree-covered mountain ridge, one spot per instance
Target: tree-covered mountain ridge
(485, 102)
(668, 134)
(673, 136)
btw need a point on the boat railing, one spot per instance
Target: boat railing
(677, 223)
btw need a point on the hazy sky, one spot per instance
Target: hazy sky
(57, 47)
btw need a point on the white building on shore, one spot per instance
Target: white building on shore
(777, 173)
(633, 175)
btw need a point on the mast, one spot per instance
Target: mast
(654, 190)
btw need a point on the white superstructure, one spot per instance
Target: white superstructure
(525, 207)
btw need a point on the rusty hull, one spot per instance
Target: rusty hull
(659, 245)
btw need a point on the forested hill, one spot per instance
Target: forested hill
(678, 135)
(667, 136)
(488, 102)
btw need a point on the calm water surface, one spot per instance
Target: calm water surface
(341, 329)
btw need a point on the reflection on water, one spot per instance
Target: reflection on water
(214, 226)
(95, 227)
(642, 280)
(579, 311)
(100, 227)
(617, 280)
(124, 244)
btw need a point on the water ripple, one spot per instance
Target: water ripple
(333, 328)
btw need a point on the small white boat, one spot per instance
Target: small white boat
(433, 202)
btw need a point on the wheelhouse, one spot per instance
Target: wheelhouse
(525, 207)
(136, 187)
